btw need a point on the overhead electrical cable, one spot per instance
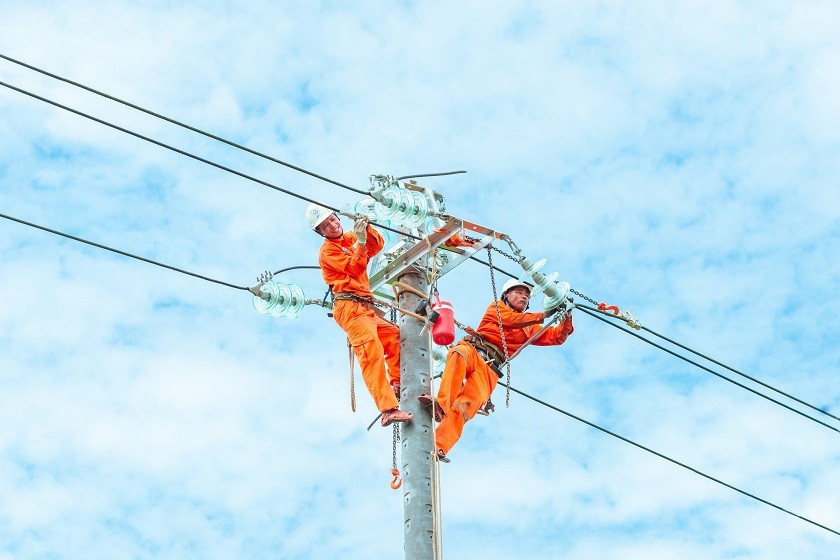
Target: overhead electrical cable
(179, 123)
(589, 311)
(302, 197)
(753, 379)
(426, 174)
(212, 163)
(585, 309)
(656, 453)
(124, 253)
(627, 440)
(674, 461)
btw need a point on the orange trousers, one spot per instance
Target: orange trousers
(375, 342)
(465, 386)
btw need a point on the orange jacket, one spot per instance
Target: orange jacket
(519, 327)
(344, 263)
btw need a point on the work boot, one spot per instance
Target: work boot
(441, 456)
(428, 401)
(487, 408)
(395, 415)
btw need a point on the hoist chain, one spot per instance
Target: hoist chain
(587, 298)
(501, 327)
(514, 258)
(352, 377)
(396, 439)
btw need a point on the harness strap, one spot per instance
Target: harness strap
(365, 301)
(489, 352)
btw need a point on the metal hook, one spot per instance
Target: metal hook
(604, 307)
(397, 482)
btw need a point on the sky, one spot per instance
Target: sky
(678, 160)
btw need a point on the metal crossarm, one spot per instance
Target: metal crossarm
(451, 256)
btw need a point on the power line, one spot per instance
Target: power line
(800, 401)
(586, 309)
(657, 453)
(214, 164)
(286, 191)
(674, 461)
(124, 253)
(336, 183)
(424, 174)
(181, 124)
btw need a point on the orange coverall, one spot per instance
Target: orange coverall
(464, 365)
(375, 341)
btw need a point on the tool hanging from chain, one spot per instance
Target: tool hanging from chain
(395, 472)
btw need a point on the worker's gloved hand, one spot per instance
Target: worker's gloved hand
(567, 325)
(360, 229)
(551, 312)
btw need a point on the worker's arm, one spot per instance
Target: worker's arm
(553, 335)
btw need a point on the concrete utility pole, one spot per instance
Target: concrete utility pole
(417, 436)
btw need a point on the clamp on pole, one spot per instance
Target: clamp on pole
(406, 288)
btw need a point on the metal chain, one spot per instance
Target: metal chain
(396, 440)
(587, 298)
(514, 258)
(501, 327)
(352, 377)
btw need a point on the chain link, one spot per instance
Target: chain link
(514, 258)
(396, 439)
(501, 327)
(352, 377)
(587, 298)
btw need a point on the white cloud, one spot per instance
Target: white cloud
(674, 160)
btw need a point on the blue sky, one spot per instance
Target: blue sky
(679, 160)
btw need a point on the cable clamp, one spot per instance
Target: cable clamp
(261, 280)
(630, 320)
(625, 315)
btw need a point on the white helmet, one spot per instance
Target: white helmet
(513, 283)
(316, 214)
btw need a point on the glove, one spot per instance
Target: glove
(551, 312)
(568, 328)
(360, 229)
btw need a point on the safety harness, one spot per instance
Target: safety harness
(367, 302)
(489, 352)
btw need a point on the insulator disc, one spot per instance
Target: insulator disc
(296, 302)
(403, 208)
(532, 269)
(389, 205)
(561, 290)
(365, 206)
(282, 301)
(262, 305)
(418, 212)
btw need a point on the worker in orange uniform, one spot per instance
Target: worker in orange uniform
(343, 259)
(473, 366)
